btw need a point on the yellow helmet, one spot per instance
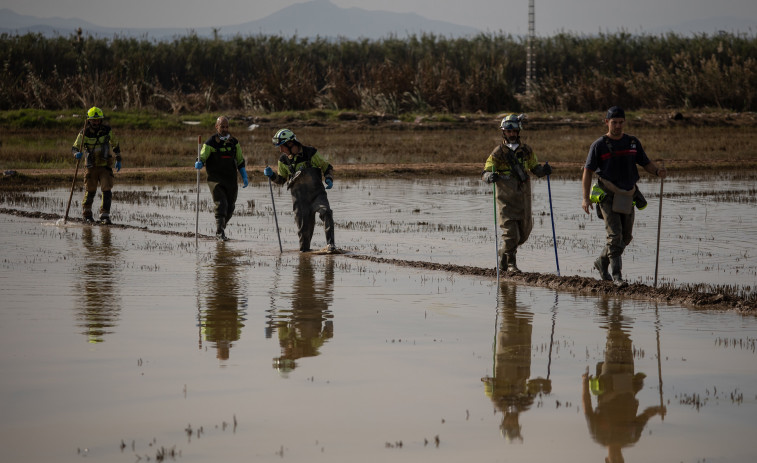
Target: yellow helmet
(95, 113)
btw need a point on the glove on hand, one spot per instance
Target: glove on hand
(268, 172)
(198, 165)
(547, 169)
(329, 183)
(118, 166)
(490, 177)
(78, 155)
(245, 182)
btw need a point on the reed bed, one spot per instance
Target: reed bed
(392, 76)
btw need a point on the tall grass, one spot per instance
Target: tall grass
(389, 76)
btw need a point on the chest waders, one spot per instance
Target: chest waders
(308, 198)
(221, 168)
(513, 195)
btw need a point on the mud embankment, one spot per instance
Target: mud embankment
(590, 286)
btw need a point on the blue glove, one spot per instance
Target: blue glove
(245, 182)
(329, 183)
(198, 165)
(118, 166)
(78, 155)
(268, 172)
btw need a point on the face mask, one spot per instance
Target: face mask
(224, 138)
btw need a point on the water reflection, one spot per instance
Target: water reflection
(308, 325)
(97, 287)
(511, 388)
(222, 319)
(614, 422)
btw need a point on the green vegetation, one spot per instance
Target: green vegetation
(426, 74)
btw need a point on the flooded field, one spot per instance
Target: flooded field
(129, 343)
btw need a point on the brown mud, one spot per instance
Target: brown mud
(589, 286)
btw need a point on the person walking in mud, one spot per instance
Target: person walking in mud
(96, 140)
(613, 157)
(221, 155)
(302, 167)
(508, 166)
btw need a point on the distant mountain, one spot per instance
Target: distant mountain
(710, 26)
(315, 18)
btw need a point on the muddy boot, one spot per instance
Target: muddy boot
(616, 264)
(601, 265)
(89, 198)
(328, 225)
(105, 207)
(220, 226)
(503, 262)
(511, 266)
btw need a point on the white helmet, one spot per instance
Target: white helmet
(283, 136)
(511, 122)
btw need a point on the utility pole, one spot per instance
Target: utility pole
(530, 58)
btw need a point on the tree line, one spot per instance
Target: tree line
(417, 74)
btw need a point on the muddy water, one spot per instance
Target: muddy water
(119, 344)
(707, 233)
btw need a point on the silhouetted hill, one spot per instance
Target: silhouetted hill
(315, 18)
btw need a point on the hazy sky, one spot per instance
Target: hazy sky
(585, 16)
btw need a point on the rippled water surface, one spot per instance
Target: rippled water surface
(121, 344)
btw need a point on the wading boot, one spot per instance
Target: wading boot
(511, 266)
(601, 265)
(220, 226)
(328, 225)
(615, 265)
(88, 218)
(105, 208)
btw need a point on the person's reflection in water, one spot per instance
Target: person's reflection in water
(510, 389)
(309, 324)
(614, 422)
(226, 304)
(98, 285)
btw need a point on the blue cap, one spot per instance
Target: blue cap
(615, 111)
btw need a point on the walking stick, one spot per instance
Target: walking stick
(552, 216)
(76, 172)
(275, 217)
(496, 225)
(197, 203)
(659, 222)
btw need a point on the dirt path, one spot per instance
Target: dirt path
(583, 285)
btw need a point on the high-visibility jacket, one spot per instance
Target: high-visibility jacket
(97, 143)
(222, 159)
